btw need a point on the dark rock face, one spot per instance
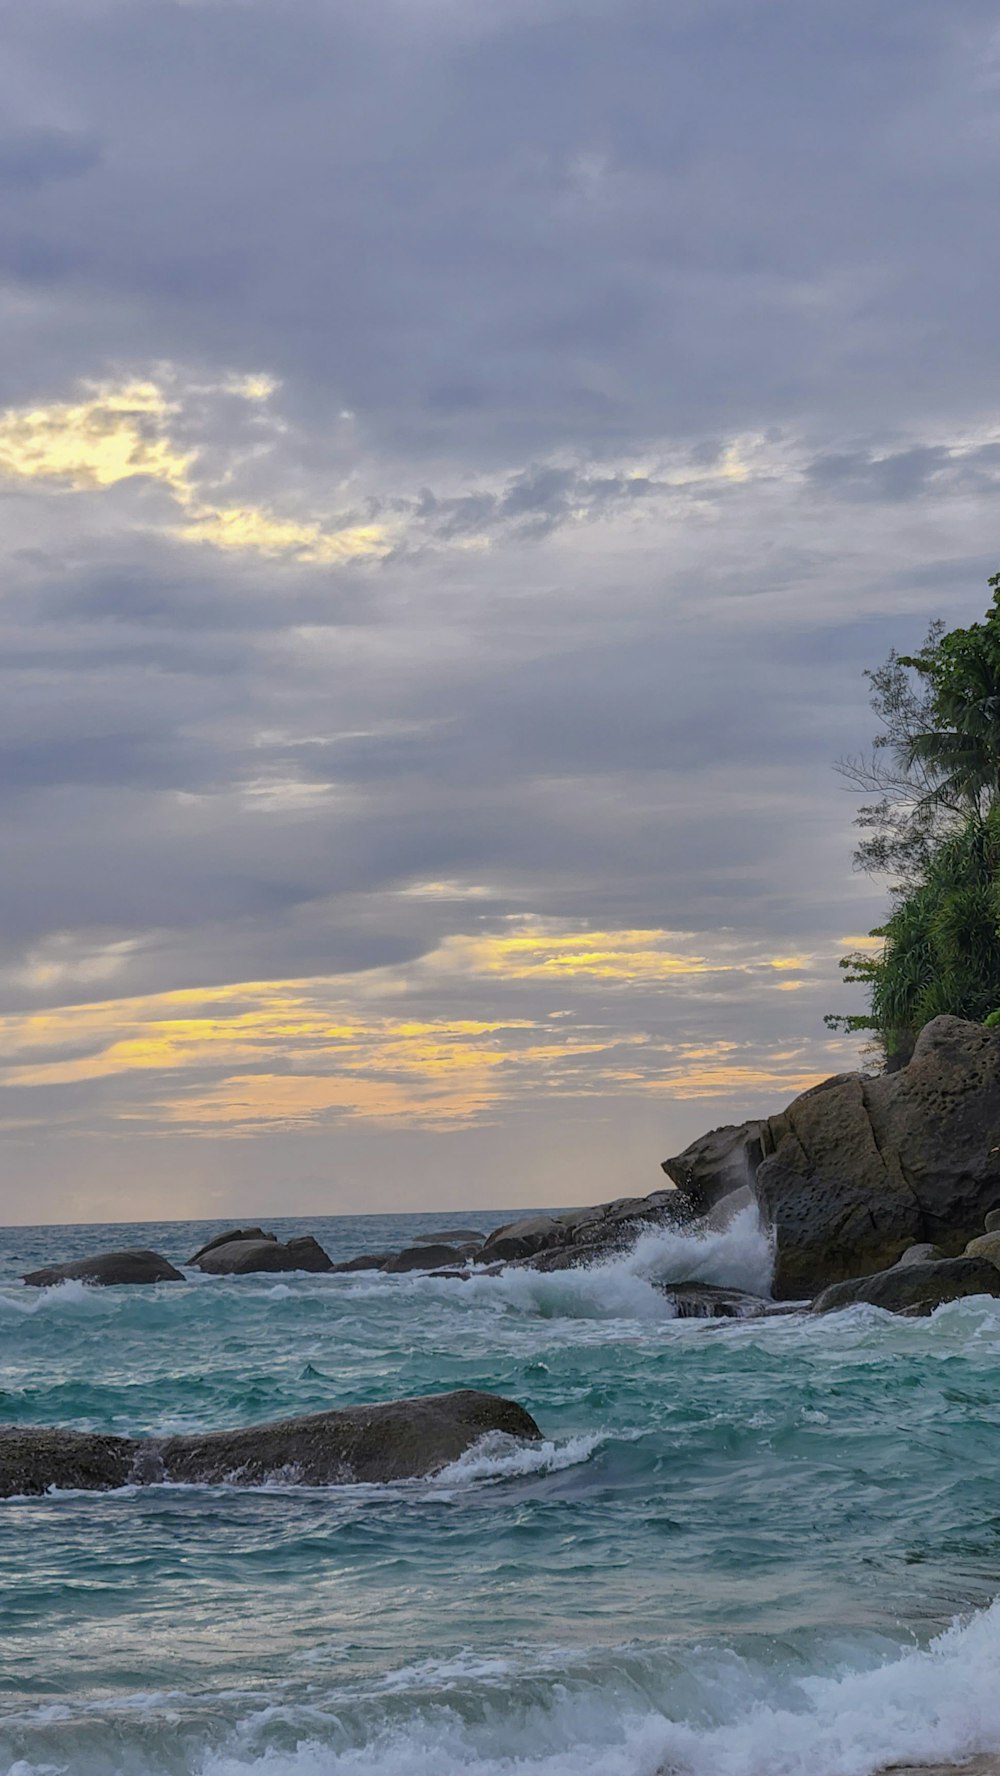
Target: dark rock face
(366, 1261)
(108, 1268)
(403, 1440)
(857, 1170)
(914, 1288)
(587, 1234)
(421, 1258)
(718, 1164)
(225, 1239)
(32, 1460)
(709, 1301)
(246, 1256)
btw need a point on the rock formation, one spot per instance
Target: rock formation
(108, 1268)
(914, 1288)
(243, 1257)
(401, 1440)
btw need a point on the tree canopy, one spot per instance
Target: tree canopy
(935, 828)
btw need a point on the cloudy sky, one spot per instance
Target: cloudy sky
(457, 459)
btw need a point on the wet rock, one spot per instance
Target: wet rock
(717, 1164)
(366, 1261)
(421, 1258)
(708, 1301)
(914, 1288)
(249, 1256)
(136, 1265)
(34, 1460)
(402, 1440)
(986, 1246)
(226, 1239)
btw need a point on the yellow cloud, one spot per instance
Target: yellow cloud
(120, 431)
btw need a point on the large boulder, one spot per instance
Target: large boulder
(33, 1459)
(582, 1234)
(421, 1258)
(245, 1257)
(402, 1440)
(863, 1168)
(717, 1164)
(136, 1265)
(364, 1261)
(226, 1239)
(914, 1288)
(986, 1246)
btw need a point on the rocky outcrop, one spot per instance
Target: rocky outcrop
(921, 1254)
(226, 1239)
(136, 1265)
(364, 1261)
(244, 1257)
(402, 1440)
(421, 1258)
(587, 1233)
(986, 1246)
(450, 1236)
(857, 1170)
(914, 1288)
(718, 1164)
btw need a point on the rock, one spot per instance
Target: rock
(986, 1246)
(366, 1261)
(708, 1301)
(519, 1239)
(992, 1222)
(449, 1236)
(32, 1460)
(914, 1288)
(717, 1164)
(225, 1239)
(246, 1257)
(403, 1440)
(135, 1265)
(857, 1170)
(421, 1258)
(920, 1254)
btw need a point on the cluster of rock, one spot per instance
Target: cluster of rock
(854, 1176)
(401, 1440)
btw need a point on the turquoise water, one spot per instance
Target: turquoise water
(744, 1548)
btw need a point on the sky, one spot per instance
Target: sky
(457, 461)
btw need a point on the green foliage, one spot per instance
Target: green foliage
(993, 1021)
(936, 827)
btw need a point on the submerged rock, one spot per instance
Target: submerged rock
(709, 1301)
(225, 1239)
(914, 1288)
(401, 1440)
(136, 1265)
(244, 1257)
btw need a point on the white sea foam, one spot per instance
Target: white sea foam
(939, 1705)
(737, 1256)
(499, 1457)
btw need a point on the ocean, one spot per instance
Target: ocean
(744, 1548)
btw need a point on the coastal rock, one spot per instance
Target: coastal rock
(709, 1301)
(914, 1288)
(717, 1164)
(588, 1234)
(136, 1265)
(992, 1222)
(421, 1258)
(226, 1239)
(247, 1256)
(33, 1460)
(857, 1170)
(365, 1261)
(402, 1440)
(920, 1254)
(986, 1246)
